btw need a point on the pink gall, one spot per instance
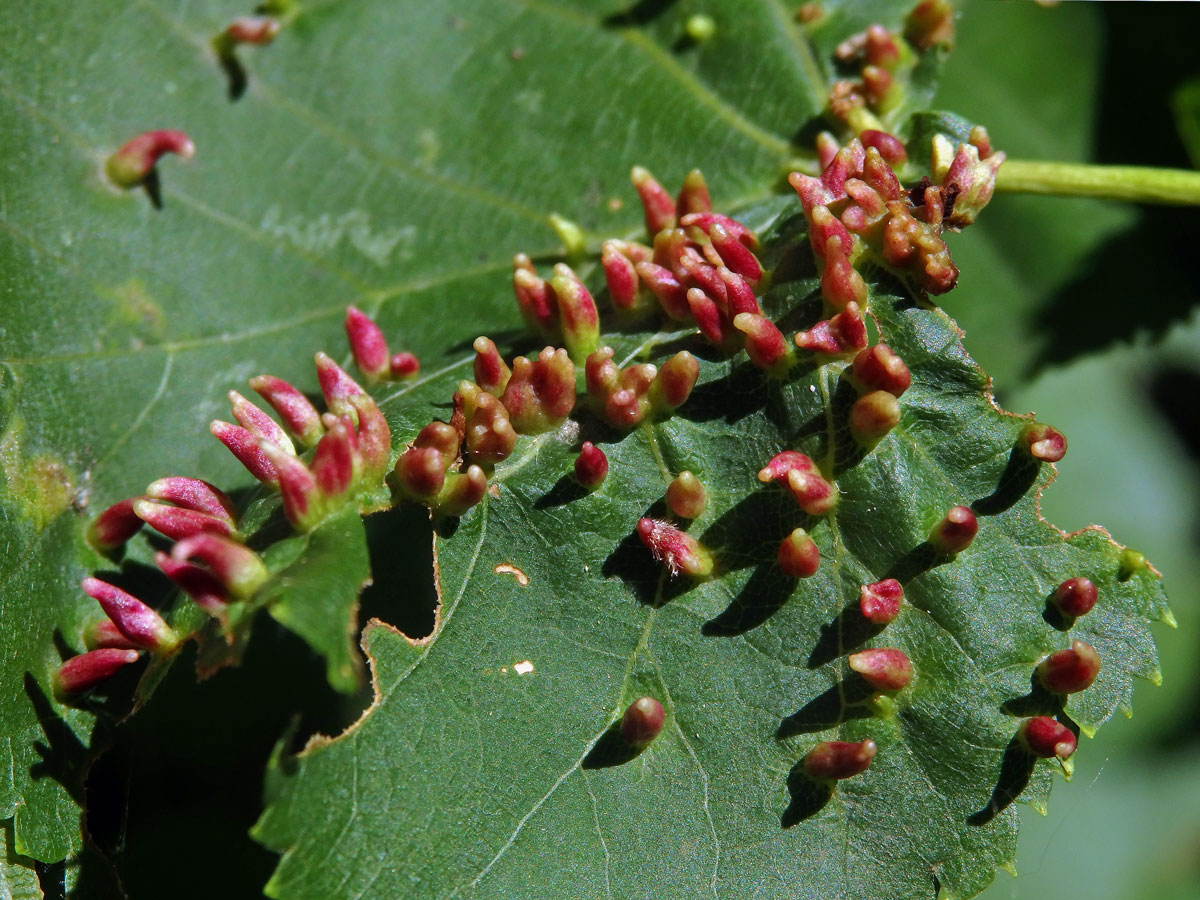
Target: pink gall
(1047, 738)
(591, 466)
(739, 295)
(110, 530)
(765, 344)
(1070, 671)
(735, 255)
(541, 393)
(677, 550)
(374, 438)
(886, 145)
(657, 204)
(620, 277)
(880, 602)
(462, 491)
(177, 522)
(238, 569)
(827, 148)
(368, 345)
(930, 24)
(955, 532)
(666, 288)
(491, 371)
(812, 493)
(1043, 443)
(841, 284)
(842, 335)
(488, 436)
(535, 299)
(244, 445)
(403, 365)
(134, 619)
(104, 635)
(704, 275)
(257, 422)
(337, 386)
(134, 163)
(781, 464)
(334, 467)
(971, 182)
(798, 555)
(674, 382)
(642, 722)
(82, 673)
(686, 496)
(704, 221)
(301, 496)
(885, 668)
(443, 438)
(1075, 597)
(255, 30)
(192, 493)
(709, 317)
(421, 473)
(872, 416)
(693, 196)
(835, 760)
(206, 590)
(295, 409)
(577, 312)
(880, 368)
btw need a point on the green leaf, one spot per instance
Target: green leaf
(494, 731)
(394, 157)
(318, 591)
(18, 880)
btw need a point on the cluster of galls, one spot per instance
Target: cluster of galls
(208, 561)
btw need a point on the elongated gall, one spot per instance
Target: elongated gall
(403, 365)
(176, 522)
(541, 392)
(784, 462)
(735, 255)
(880, 368)
(812, 493)
(642, 722)
(257, 422)
(133, 163)
(798, 555)
(462, 491)
(657, 204)
(577, 312)
(766, 346)
(620, 276)
(840, 282)
(103, 634)
(237, 568)
(674, 382)
(885, 668)
(686, 496)
(296, 410)
(133, 618)
(693, 196)
(677, 550)
(192, 493)
(535, 299)
(82, 673)
(955, 532)
(835, 760)
(591, 466)
(1043, 443)
(244, 446)
(872, 416)
(421, 473)
(1075, 596)
(256, 30)
(114, 526)
(337, 386)
(1046, 737)
(1070, 671)
(368, 345)
(889, 146)
(880, 602)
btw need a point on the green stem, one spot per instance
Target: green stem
(1135, 184)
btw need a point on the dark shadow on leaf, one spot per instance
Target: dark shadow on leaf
(742, 392)
(839, 703)
(235, 72)
(917, 561)
(402, 592)
(52, 879)
(152, 185)
(641, 13)
(764, 595)
(1055, 617)
(848, 631)
(566, 490)
(1038, 702)
(808, 796)
(847, 452)
(611, 750)
(64, 757)
(1015, 768)
(1018, 477)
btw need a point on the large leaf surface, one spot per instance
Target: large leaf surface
(483, 766)
(395, 157)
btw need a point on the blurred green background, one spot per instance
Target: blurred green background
(1086, 312)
